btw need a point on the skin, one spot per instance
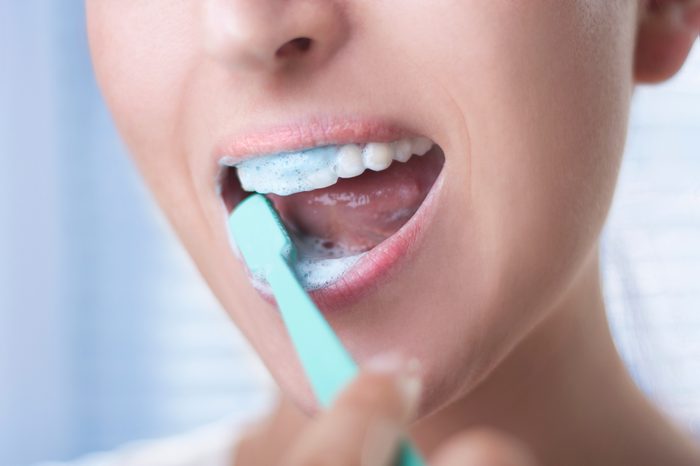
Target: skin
(529, 102)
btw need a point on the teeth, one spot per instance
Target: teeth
(377, 156)
(349, 163)
(288, 173)
(420, 146)
(323, 178)
(402, 150)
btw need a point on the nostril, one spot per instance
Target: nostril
(294, 47)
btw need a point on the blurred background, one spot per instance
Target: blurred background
(107, 333)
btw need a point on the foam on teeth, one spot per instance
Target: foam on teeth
(287, 173)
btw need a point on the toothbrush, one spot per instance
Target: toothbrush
(268, 251)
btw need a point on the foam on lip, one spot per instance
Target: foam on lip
(315, 274)
(313, 269)
(320, 264)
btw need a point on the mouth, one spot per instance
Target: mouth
(353, 210)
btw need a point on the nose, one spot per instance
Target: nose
(268, 35)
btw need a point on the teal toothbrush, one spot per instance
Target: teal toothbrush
(269, 252)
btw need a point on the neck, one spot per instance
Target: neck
(565, 392)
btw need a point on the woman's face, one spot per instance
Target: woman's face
(526, 101)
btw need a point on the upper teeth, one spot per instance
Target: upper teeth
(292, 172)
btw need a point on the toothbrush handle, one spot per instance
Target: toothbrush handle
(325, 360)
(408, 456)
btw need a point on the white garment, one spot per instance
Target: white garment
(212, 445)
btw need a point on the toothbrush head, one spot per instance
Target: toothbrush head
(258, 232)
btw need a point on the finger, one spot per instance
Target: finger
(262, 443)
(365, 423)
(483, 448)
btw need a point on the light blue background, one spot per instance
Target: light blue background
(108, 335)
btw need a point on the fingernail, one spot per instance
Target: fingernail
(406, 373)
(411, 385)
(386, 363)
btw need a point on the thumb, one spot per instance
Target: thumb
(483, 447)
(365, 423)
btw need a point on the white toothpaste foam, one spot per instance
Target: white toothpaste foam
(289, 172)
(320, 264)
(315, 274)
(317, 266)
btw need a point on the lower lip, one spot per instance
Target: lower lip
(377, 266)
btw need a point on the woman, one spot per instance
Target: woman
(451, 241)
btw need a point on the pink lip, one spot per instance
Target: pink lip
(378, 265)
(303, 134)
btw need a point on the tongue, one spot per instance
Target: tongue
(356, 214)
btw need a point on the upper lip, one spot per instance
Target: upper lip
(304, 134)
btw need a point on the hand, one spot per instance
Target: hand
(364, 426)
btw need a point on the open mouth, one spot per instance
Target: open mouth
(338, 202)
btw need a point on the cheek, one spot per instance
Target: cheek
(546, 157)
(541, 90)
(142, 53)
(544, 91)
